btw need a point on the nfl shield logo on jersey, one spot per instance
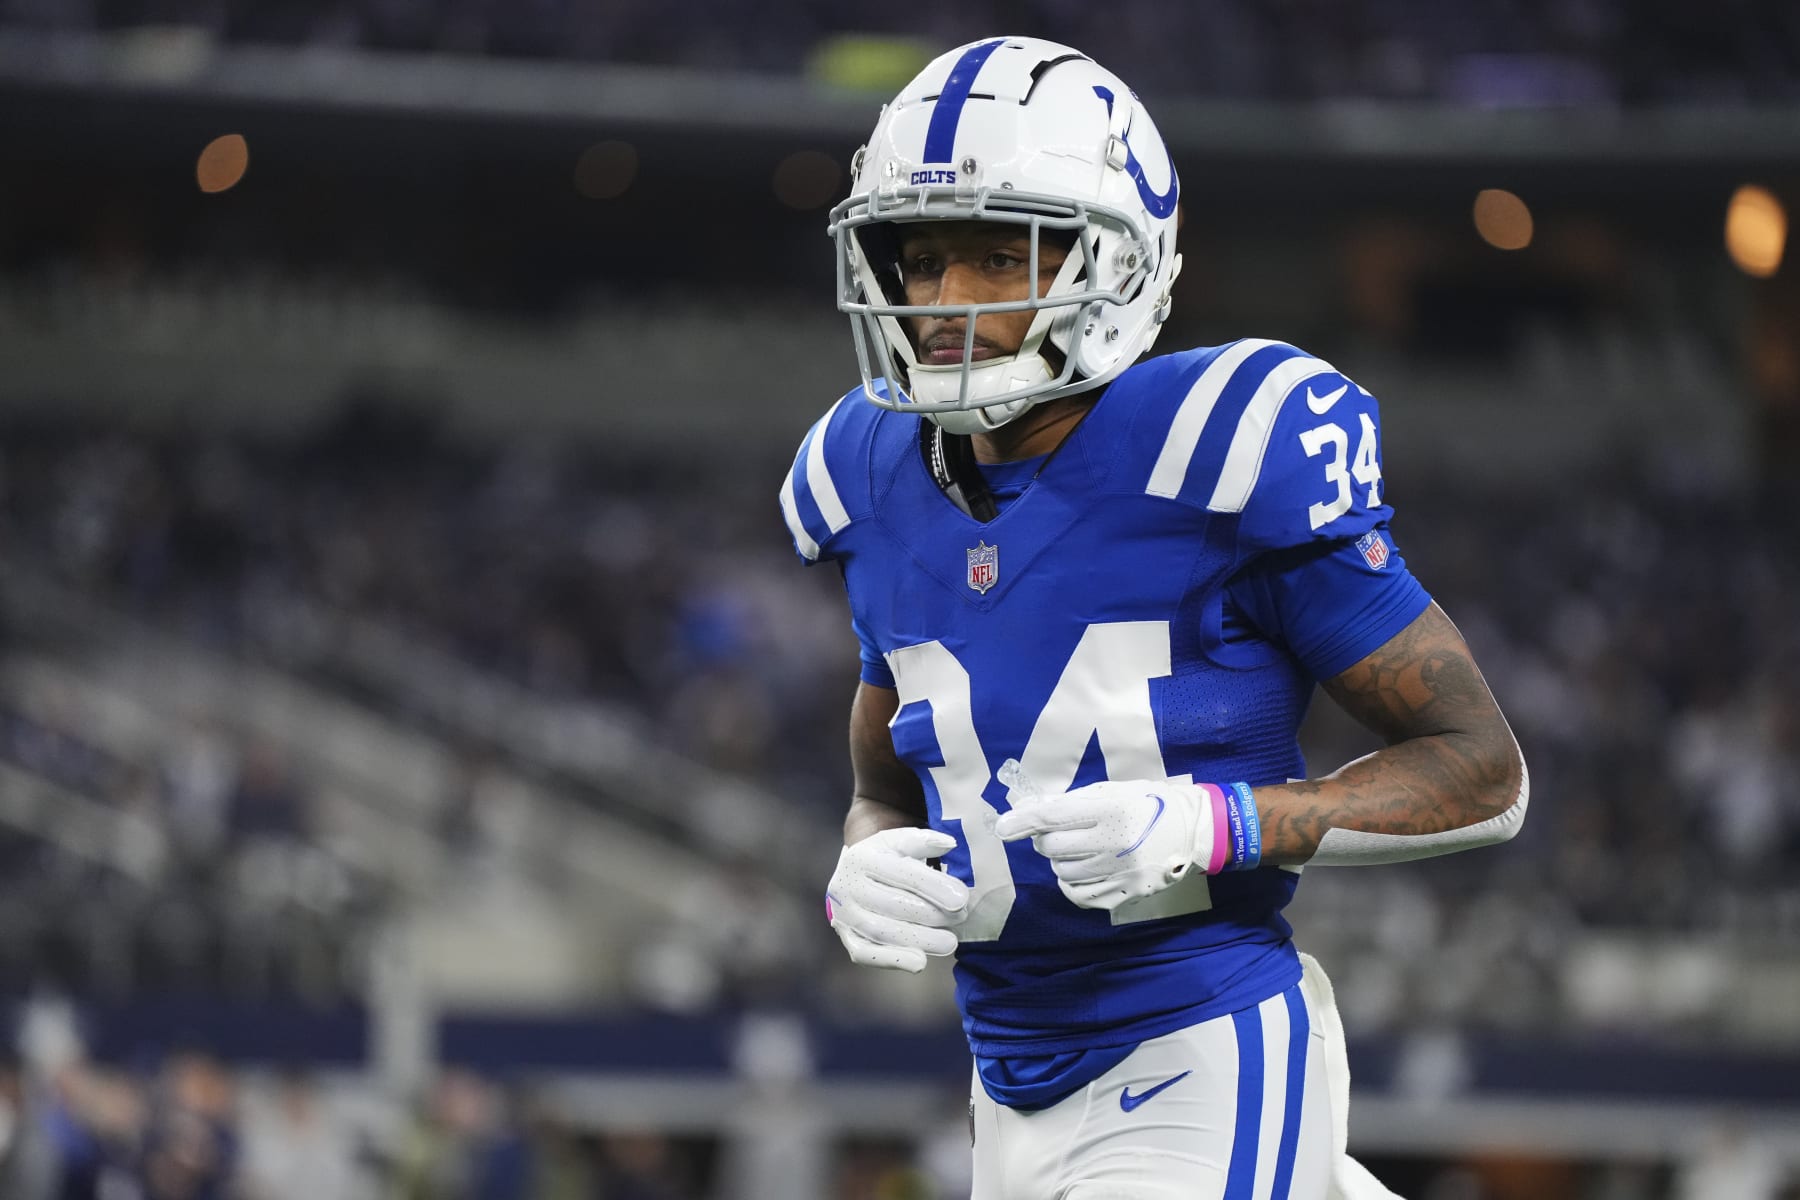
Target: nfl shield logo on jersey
(1374, 548)
(984, 567)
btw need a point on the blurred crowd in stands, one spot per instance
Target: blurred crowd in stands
(1638, 626)
(205, 878)
(661, 588)
(1526, 52)
(1640, 632)
(191, 1127)
(1639, 629)
(617, 584)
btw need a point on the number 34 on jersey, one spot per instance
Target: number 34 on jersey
(1103, 694)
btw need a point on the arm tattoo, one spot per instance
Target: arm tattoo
(1450, 762)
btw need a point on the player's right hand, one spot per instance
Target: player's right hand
(889, 906)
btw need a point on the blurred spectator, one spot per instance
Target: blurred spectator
(265, 803)
(484, 817)
(96, 1120)
(464, 1146)
(27, 1157)
(882, 1172)
(190, 1145)
(295, 1148)
(1732, 1164)
(640, 1166)
(562, 1162)
(201, 772)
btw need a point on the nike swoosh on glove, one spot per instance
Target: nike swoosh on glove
(1115, 841)
(889, 906)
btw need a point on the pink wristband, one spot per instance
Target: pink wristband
(1221, 847)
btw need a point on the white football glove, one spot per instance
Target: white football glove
(1115, 841)
(889, 907)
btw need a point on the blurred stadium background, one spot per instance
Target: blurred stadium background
(420, 756)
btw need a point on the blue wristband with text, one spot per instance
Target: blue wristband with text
(1245, 826)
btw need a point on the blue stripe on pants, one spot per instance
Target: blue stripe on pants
(1240, 1177)
(1299, 1033)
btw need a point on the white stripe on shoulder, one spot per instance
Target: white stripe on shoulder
(818, 477)
(808, 548)
(1243, 462)
(1177, 454)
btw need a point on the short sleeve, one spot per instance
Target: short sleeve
(825, 489)
(1316, 476)
(1331, 604)
(875, 671)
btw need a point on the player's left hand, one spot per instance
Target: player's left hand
(1116, 841)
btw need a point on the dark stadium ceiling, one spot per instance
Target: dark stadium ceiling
(549, 96)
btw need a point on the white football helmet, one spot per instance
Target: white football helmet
(1030, 132)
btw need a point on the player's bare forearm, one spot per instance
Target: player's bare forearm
(1451, 762)
(887, 794)
(869, 817)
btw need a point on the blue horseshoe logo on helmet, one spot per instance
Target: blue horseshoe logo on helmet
(1159, 205)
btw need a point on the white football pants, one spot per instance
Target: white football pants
(1247, 1106)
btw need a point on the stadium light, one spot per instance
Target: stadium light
(223, 163)
(1502, 219)
(606, 170)
(869, 62)
(1755, 231)
(807, 179)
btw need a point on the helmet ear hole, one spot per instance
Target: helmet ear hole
(1134, 287)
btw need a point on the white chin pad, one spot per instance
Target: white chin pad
(977, 420)
(943, 385)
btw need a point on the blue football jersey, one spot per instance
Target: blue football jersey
(1086, 631)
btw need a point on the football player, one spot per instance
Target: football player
(1094, 593)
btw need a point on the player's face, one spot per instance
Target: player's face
(972, 262)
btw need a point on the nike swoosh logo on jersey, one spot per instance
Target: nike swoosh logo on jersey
(1127, 1101)
(1157, 816)
(1322, 404)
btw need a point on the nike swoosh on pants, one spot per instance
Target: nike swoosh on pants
(1127, 1101)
